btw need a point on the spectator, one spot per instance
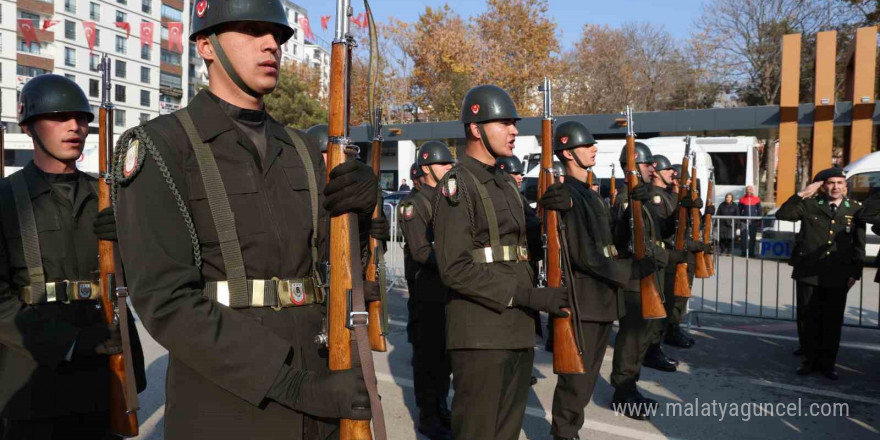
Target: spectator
(725, 226)
(750, 206)
(403, 186)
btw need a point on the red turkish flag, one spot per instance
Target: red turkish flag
(307, 29)
(147, 33)
(49, 23)
(28, 31)
(175, 35)
(325, 19)
(126, 26)
(89, 29)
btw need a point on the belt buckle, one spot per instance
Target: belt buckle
(297, 292)
(83, 290)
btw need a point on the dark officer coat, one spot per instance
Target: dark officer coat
(37, 381)
(418, 228)
(479, 315)
(665, 204)
(598, 277)
(222, 361)
(828, 249)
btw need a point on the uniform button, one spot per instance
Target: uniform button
(832, 222)
(831, 232)
(829, 241)
(827, 253)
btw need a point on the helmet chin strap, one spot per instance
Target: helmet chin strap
(578, 161)
(665, 182)
(227, 66)
(39, 142)
(485, 140)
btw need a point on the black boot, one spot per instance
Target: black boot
(676, 338)
(431, 426)
(633, 405)
(657, 360)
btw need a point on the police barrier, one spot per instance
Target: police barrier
(753, 277)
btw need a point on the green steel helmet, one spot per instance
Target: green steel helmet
(510, 165)
(571, 134)
(487, 103)
(643, 155)
(661, 163)
(47, 94)
(319, 132)
(433, 152)
(559, 168)
(207, 15)
(415, 171)
(677, 168)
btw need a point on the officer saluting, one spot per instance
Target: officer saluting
(598, 274)
(225, 214)
(827, 259)
(53, 340)
(480, 235)
(428, 294)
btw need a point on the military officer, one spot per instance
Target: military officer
(429, 295)
(637, 334)
(53, 340)
(598, 277)
(480, 243)
(827, 260)
(225, 213)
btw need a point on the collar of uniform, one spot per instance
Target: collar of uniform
(37, 185)
(428, 191)
(208, 117)
(483, 172)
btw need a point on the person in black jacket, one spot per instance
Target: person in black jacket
(725, 226)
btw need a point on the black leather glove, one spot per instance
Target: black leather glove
(380, 229)
(98, 339)
(642, 268)
(547, 299)
(352, 188)
(710, 210)
(692, 245)
(677, 257)
(698, 203)
(105, 225)
(557, 197)
(686, 202)
(371, 291)
(642, 192)
(335, 394)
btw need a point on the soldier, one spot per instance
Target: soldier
(54, 344)
(827, 260)
(598, 274)
(319, 132)
(513, 166)
(480, 235)
(636, 333)
(410, 268)
(429, 296)
(225, 213)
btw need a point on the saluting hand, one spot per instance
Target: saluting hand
(810, 190)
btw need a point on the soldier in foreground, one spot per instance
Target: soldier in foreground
(225, 213)
(480, 234)
(429, 296)
(54, 344)
(598, 274)
(827, 261)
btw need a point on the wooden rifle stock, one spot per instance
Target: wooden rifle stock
(375, 328)
(590, 178)
(707, 229)
(682, 286)
(612, 194)
(123, 422)
(700, 269)
(652, 305)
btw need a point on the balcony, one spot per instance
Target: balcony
(40, 62)
(42, 36)
(166, 108)
(44, 7)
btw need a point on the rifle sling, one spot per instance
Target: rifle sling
(492, 218)
(131, 394)
(30, 241)
(313, 190)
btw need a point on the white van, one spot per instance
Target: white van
(862, 180)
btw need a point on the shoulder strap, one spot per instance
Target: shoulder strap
(313, 187)
(491, 216)
(30, 241)
(425, 203)
(224, 218)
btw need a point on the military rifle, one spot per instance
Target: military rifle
(612, 194)
(652, 305)
(700, 269)
(707, 230)
(378, 310)
(682, 286)
(346, 314)
(566, 349)
(123, 392)
(590, 178)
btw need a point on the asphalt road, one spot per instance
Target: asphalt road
(737, 362)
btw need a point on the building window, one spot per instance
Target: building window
(34, 47)
(145, 98)
(120, 93)
(94, 61)
(27, 15)
(70, 6)
(145, 117)
(120, 44)
(94, 11)
(94, 88)
(145, 52)
(97, 37)
(119, 117)
(121, 16)
(29, 71)
(170, 13)
(146, 6)
(120, 69)
(69, 57)
(170, 57)
(169, 80)
(69, 30)
(145, 74)
(95, 111)
(122, 2)
(70, 77)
